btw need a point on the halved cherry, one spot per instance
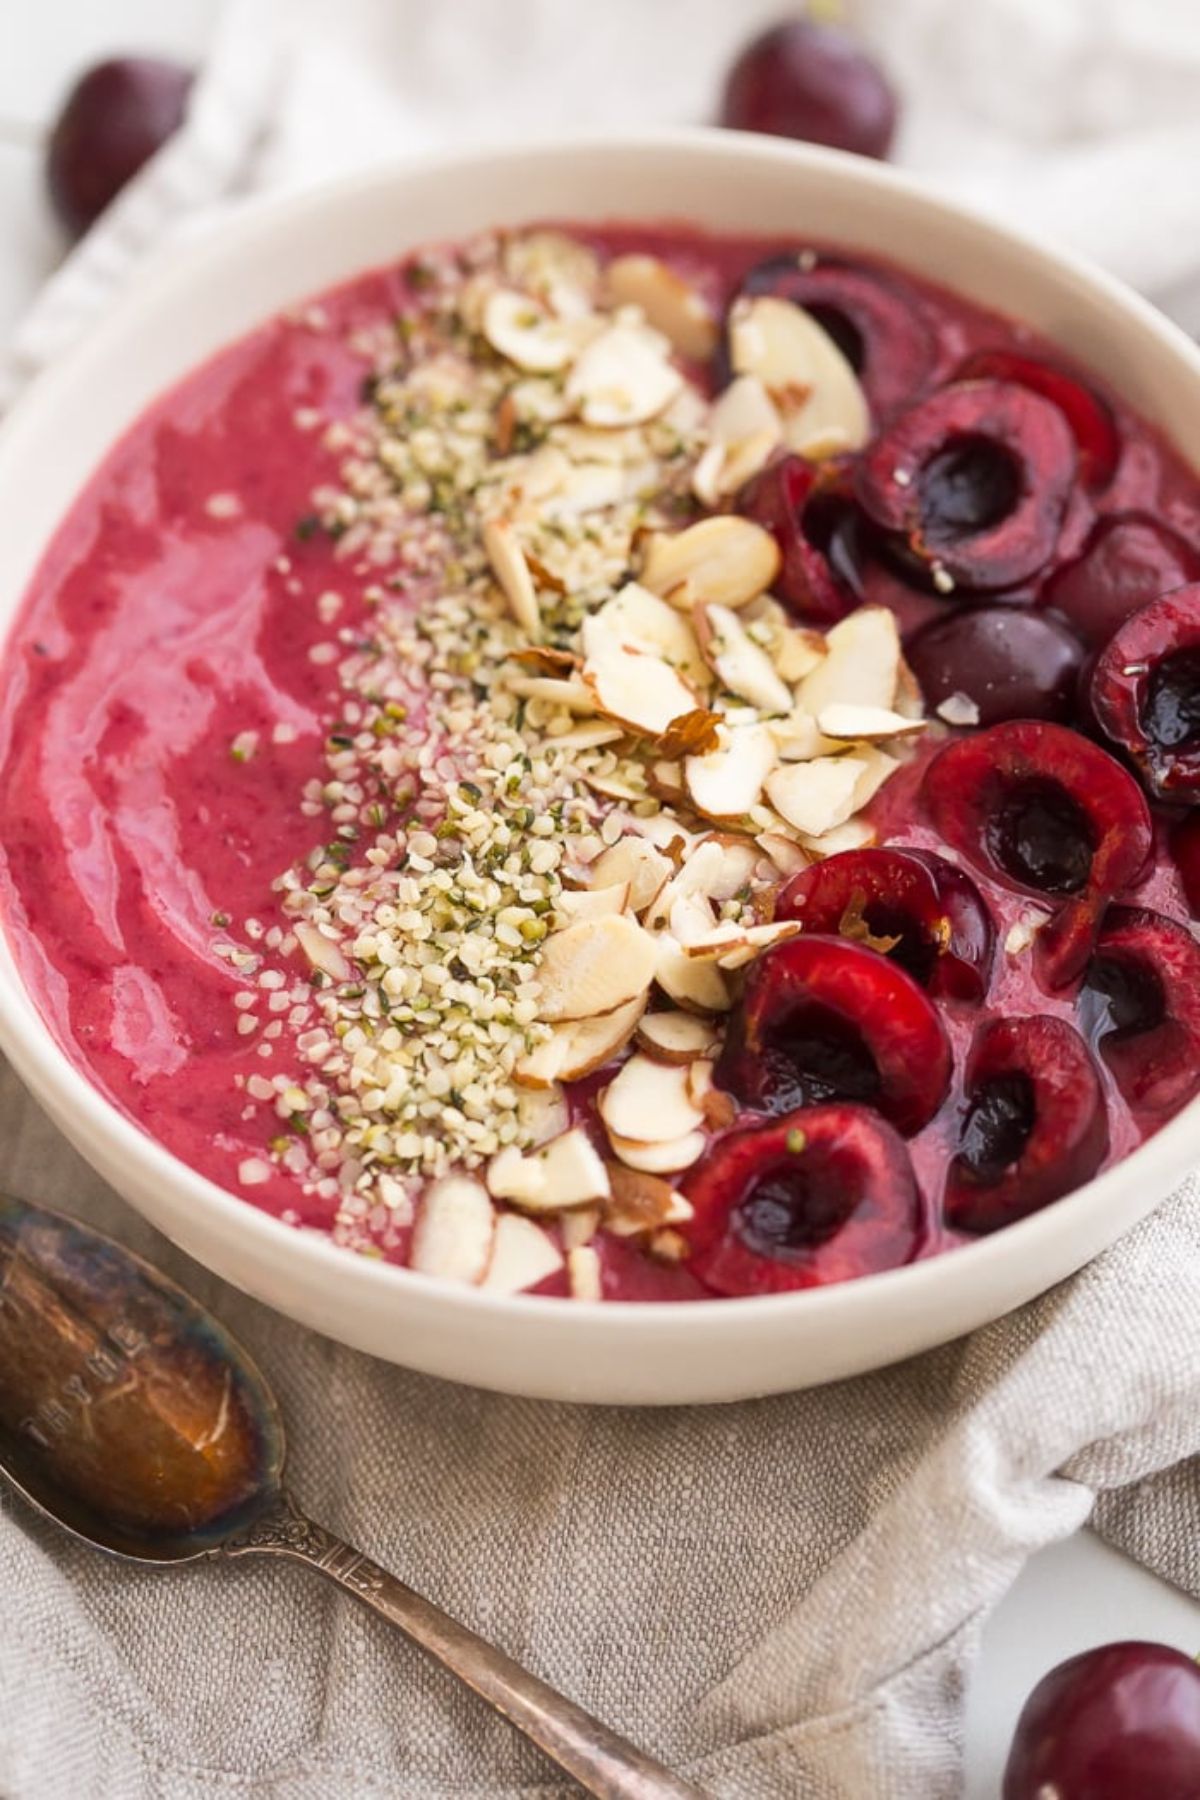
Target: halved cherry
(1145, 693)
(974, 480)
(1044, 811)
(1035, 1124)
(1185, 849)
(1139, 1004)
(875, 320)
(913, 905)
(823, 1194)
(815, 526)
(1013, 662)
(821, 1018)
(1128, 560)
(1091, 418)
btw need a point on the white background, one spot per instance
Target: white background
(1073, 1595)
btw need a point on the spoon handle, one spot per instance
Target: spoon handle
(602, 1763)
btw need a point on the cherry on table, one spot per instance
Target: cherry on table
(1014, 663)
(1120, 1722)
(802, 79)
(113, 120)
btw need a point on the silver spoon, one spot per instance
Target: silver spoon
(131, 1417)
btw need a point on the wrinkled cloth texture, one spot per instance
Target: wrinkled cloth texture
(783, 1597)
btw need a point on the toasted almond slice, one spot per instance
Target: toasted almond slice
(796, 652)
(543, 260)
(702, 872)
(798, 738)
(512, 572)
(668, 835)
(726, 782)
(322, 952)
(614, 786)
(579, 1226)
(699, 1082)
(593, 1042)
(726, 560)
(879, 766)
(909, 699)
(787, 856)
(622, 378)
(564, 1173)
(741, 666)
(692, 734)
(823, 406)
(543, 1113)
(639, 1202)
(522, 1256)
(668, 302)
(739, 860)
(579, 904)
(861, 665)
(676, 1037)
(648, 1102)
(570, 693)
(706, 475)
(455, 1229)
(663, 1158)
(583, 1274)
(635, 863)
(743, 410)
(696, 986)
(690, 918)
(542, 1066)
(522, 330)
(731, 944)
(856, 834)
(588, 734)
(865, 722)
(815, 796)
(641, 692)
(593, 968)
(665, 780)
(640, 620)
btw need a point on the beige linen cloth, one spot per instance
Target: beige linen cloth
(783, 1597)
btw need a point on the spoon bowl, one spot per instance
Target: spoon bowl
(131, 1417)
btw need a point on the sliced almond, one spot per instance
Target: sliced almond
(726, 782)
(798, 737)
(584, 1273)
(454, 1231)
(322, 952)
(512, 572)
(692, 734)
(593, 968)
(910, 701)
(740, 665)
(640, 620)
(665, 780)
(787, 856)
(817, 392)
(744, 429)
(522, 1256)
(545, 1063)
(648, 1101)
(588, 734)
(726, 560)
(641, 692)
(664, 1158)
(856, 834)
(676, 1037)
(731, 945)
(701, 872)
(622, 378)
(641, 1202)
(634, 863)
(861, 665)
(667, 835)
(593, 1042)
(796, 652)
(579, 904)
(668, 302)
(526, 333)
(570, 694)
(579, 1226)
(842, 720)
(690, 918)
(739, 860)
(879, 766)
(959, 709)
(547, 260)
(696, 986)
(564, 1173)
(815, 796)
(543, 1113)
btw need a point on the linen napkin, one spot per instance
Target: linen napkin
(781, 1597)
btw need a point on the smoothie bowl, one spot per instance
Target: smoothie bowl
(602, 807)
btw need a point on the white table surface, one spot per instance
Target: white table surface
(1070, 1596)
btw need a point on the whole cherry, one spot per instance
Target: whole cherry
(112, 121)
(1121, 1722)
(803, 79)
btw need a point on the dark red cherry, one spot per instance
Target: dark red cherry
(1139, 1003)
(974, 481)
(877, 322)
(811, 81)
(815, 526)
(1185, 849)
(821, 1018)
(823, 1194)
(912, 905)
(1034, 1127)
(1091, 418)
(1145, 693)
(112, 121)
(1042, 810)
(1129, 559)
(1013, 663)
(1120, 1722)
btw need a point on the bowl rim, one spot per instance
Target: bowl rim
(44, 1064)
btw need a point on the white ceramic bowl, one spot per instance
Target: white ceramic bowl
(279, 251)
